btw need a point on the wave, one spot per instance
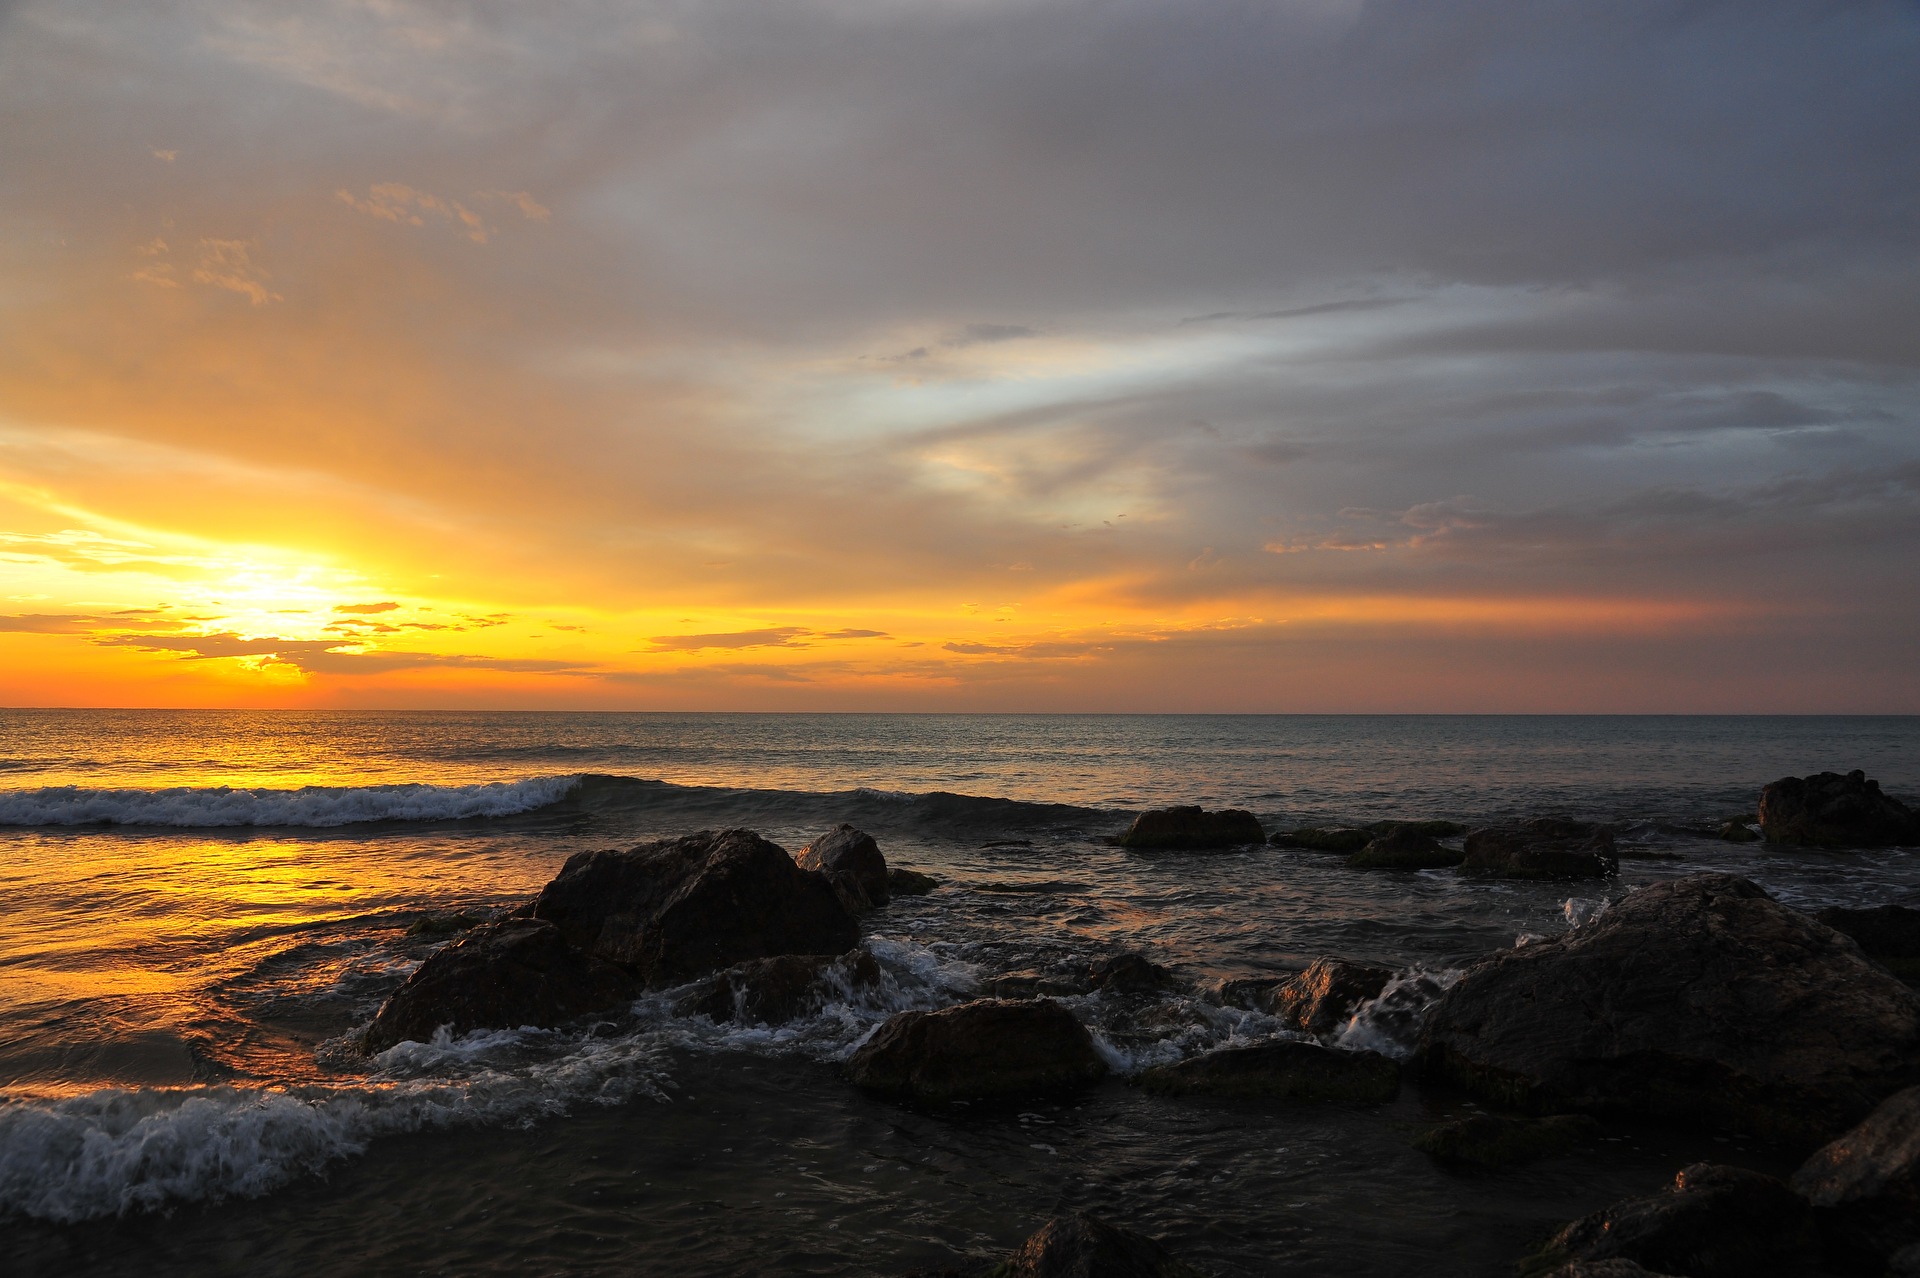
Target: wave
(309, 806)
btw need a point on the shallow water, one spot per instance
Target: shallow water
(177, 980)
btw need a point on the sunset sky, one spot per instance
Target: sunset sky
(961, 355)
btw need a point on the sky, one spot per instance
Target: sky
(1129, 355)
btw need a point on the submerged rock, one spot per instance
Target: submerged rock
(1487, 1142)
(1320, 999)
(499, 976)
(1543, 848)
(1712, 1222)
(1316, 839)
(1890, 934)
(1083, 1246)
(773, 991)
(1033, 982)
(985, 1048)
(680, 908)
(902, 882)
(1832, 811)
(1738, 832)
(444, 923)
(1700, 1000)
(1192, 828)
(1129, 973)
(1865, 1186)
(851, 860)
(1405, 847)
(1279, 1070)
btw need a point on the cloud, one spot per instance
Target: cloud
(366, 609)
(331, 656)
(229, 265)
(45, 623)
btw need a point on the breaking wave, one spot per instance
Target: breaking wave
(309, 806)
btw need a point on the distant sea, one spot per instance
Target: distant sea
(196, 909)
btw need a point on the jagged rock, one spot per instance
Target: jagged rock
(985, 1048)
(499, 976)
(1128, 974)
(851, 860)
(680, 908)
(1279, 1070)
(909, 882)
(1192, 828)
(1890, 934)
(1320, 999)
(1083, 1246)
(1832, 811)
(1404, 847)
(1738, 832)
(1699, 1000)
(1485, 1142)
(1865, 1186)
(1324, 840)
(1712, 1222)
(773, 991)
(1543, 848)
(1033, 982)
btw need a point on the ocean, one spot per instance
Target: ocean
(199, 909)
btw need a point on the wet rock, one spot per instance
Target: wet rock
(499, 976)
(902, 882)
(1700, 1000)
(1129, 974)
(1712, 1222)
(1865, 1186)
(1033, 982)
(1320, 999)
(985, 1048)
(1279, 1070)
(1828, 810)
(680, 908)
(1890, 934)
(1487, 1142)
(1436, 829)
(1253, 993)
(1403, 848)
(851, 860)
(773, 991)
(1904, 1263)
(1315, 839)
(1544, 848)
(1738, 832)
(1083, 1246)
(1192, 828)
(444, 923)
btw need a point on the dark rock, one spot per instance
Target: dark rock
(1403, 848)
(680, 908)
(1437, 829)
(1083, 1246)
(1129, 974)
(1738, 832)
(1904, 1263)
(1828, 810)
(1544, 848)
(1190, 827)
(1700, 1000)
(1486, 1142)
(1032, 982)
(1865, 1186)
(1615, 1268)
(499, 976)
(1890, 934)
(909, 882)
(1329, 840)
(984, 1048)
(444, 923)
(1254, 993)
(1279, 1070)
(852, 862)
(773, 991)
(1713, 1222)
(1320, 999)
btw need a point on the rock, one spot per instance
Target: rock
(1032, 982)
(680, 908)
(1329, 840)
(1544, 848)
(1904, 1263)
(1486, 1142)
(1437, 829)
(1700, 1000)
(1190, 828)
(1403, 848)
(985, 1048)
(909, 882)
(499, 976)
(1828, 810)
(773, 991)
(1320, 999)
(1865, 1186)
(852, 862)
(1083, 1246)
(1279, 1070)
(1712, 1222)
(1253, 993)
(1890, 934)
(1738, 832)
(444, 923)
(1129, 974)
(1615, 1268)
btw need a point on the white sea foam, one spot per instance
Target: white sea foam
(311, 806)
(1391, 1022)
